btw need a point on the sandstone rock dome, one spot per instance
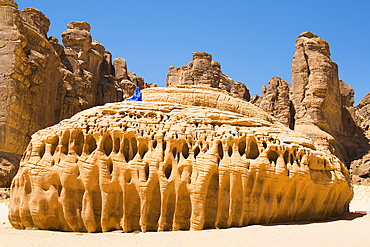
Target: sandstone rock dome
(188, 158)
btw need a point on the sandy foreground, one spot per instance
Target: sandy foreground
(351, 229)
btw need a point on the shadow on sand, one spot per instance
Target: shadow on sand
(346, 216)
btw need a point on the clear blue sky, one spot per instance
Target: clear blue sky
(253, 40)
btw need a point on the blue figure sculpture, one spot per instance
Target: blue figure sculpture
(137, 95)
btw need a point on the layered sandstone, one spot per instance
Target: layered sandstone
(203, 71)
(162, 165)
(315, 92)
(29, 69)
(276, 101)
(315, 85)
(43, 82)
(323, 103)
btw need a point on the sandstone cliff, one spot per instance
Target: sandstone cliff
(43, 82)
(201, 158)
(203, 71)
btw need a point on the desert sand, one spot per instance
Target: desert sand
(351, 229)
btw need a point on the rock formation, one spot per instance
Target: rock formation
(323, 103)
(360, 170)
(29, 69)
(362, 113)
(315, 92)
(162, 165)
(276, 101)
(203, 71)
(43, 82)
(360, 167)
(315, 85)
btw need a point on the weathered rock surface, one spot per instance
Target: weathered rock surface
(203, 71)
(323, 103)
(362, 112)
(360, 167)
(9, 164)
(315, 84)
(43, 82)
(161, 166)
(360, 170)
(276, 101)
(352, 137)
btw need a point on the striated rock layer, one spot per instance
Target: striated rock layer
(161, 166)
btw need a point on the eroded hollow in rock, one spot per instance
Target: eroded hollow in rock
(92, 143)
(253, 150)
(126, 149)
(242, 146)
(79, 143)
(185, 150)
(117, 145)
(108, 145)
(272, 156)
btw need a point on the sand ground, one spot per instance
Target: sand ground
(351, 229)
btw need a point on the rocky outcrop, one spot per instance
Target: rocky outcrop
(276, 101)
(9, 164)
(29, 80)
(323, 103)
(203, 71)
(43, 82)
(315, 85)
(362, 112)
(161, 166)
(89, 77)
(360, 170)
(352, 137)
(360, 167)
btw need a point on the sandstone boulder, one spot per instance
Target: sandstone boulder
(163, 165)
(203, 71)
(120, 68)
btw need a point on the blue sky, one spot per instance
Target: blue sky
(253, 40)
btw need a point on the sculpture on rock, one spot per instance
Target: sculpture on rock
(163, 165)
(137, 95)
(203, 71)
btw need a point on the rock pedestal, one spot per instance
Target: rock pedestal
(168, 166)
